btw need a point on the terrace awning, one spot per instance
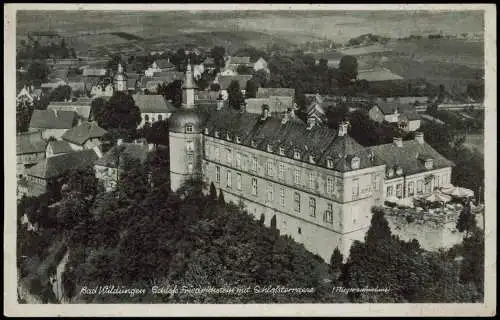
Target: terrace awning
(437, 197)
(458, 192)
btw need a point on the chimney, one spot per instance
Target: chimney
(398, 141)
(343, 128)
(419, 137)
(119, 142)
(265, 113)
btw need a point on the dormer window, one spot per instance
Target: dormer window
(228, 138)
(399, 171)
(429, 163)
(216, 133)
(355, 163)
(206, 130)
(296, 155)
(282, 151)
(329, 163)
(269, 148)
(253, 143)
(311, 159)
(390, 172)
(189, 128)
(238, 139)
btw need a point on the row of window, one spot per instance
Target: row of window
(327, 216)
(242, 162)
(146, 118)
(421, 186)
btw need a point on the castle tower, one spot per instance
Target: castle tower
(185, 137)
(120, 80)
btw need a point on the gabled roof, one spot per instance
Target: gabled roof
(59, 146)
(153, 103)
(112, 158)
(167, 76)
(53, 119)
(225, 81)
(320, 142)
(407, 112)
(85, 131)
(56, 166)
(81, 106)
(280, 92)
(164, 64)
(92, 72)
(30, 142)
(408, 157)
(239, 60)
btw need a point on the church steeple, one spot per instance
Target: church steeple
(120, 80)
(188, 88)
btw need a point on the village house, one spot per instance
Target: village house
(52, 123)
(53, 83)
(153, 107)
(46, 173)
(28, 94)
(165, 77)
(94, 72)
(261, 64)
(413, 167)
(209, 64)
(159, 66)
(87, 135)
(57, 147)
(81, 106)
(393, 112)
(285, 96)
(275, 105)
(225, 81)
(233, 62)
(30, 149)
(108, 168)
(206, 97)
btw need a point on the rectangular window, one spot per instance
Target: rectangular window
(329, 185)
(445, 180)
(436, 182)
(312, 207)
(399, 190)
(376, 182)
(282, 197)
(190, 146)
(355, 188)
(217, 154)
(296, 155)
(229, 153)
(297, 176)
(311, 180)
(411, 188)
(296, 199)
(238, 181)
(217, 174)
(238, 160)
(390, 191)
(254, 164)
(269, 168)
(281, 170)
(328, 216)
(254, 186)
(420, 185)
(270, 195)
(229, 182)
(428, 186)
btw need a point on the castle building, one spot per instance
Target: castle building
(312, 183)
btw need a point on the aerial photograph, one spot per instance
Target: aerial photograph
(250, 156)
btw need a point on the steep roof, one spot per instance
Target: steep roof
(408, 157)
(94, 72)
(58, 165)
(81, 106)
(225, 81)
(131, 150)
(280, 92)
(167, 76)
(276, 104)
(320, 142)
(408, 112)
(153, 103)
(30, 142)
(59, 146)
(85, 131)
(164, 64)
(53, 119)
(239, 60)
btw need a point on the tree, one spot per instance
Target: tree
(97, 108)
(121, 113)
(251, 89)
(379, 229)
(273, 223)
(221, 197)
(112, 64)
(466, 221)
(336, 261)
(38, 73)
(348, 68)
(242, 69)
(172, 91)
(217, 53)
(179, 59)
(235, 97)
(213, 192)
(261, 78)
(61, 93)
